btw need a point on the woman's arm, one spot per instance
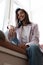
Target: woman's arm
(35, 36)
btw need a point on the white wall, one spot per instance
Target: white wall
(37, 15)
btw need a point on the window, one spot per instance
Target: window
(2, 12)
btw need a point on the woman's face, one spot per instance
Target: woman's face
(21, 15)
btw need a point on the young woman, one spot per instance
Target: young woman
(28, 35)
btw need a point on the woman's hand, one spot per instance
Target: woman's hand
(12, 32)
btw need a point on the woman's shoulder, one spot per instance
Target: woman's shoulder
(33, 25)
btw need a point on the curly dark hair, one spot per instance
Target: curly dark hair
(26, 14)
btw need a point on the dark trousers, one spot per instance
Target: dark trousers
(35, 56)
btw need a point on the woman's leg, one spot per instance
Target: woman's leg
(34, 55)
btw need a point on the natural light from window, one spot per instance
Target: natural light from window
(33, 7)
(2, 11)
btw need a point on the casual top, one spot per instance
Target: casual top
(28, 34)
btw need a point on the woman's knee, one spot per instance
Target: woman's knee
(32, 47)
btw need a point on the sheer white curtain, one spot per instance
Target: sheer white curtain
(7, 15)
(2, 12)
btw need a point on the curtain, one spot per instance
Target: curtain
(2, 12)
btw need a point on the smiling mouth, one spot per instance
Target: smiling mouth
(21, 17)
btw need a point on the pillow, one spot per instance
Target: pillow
(2, 36)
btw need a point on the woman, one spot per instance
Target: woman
(28, 35)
